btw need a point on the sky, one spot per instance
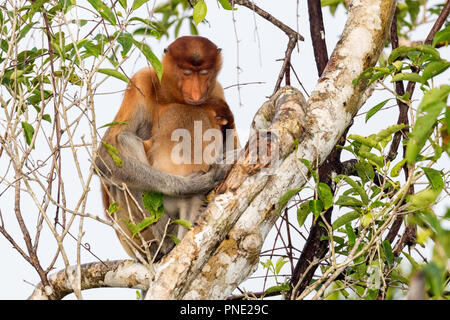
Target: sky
(251, 45)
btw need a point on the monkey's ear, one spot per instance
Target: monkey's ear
(166, 50)
(219, 50)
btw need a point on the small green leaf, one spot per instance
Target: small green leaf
(365, 171)
(375, 109)
(114, 153)
(434, 278)
(350, 234)
(114, 73)
(345, 219)
(28, 131)
(225, 4)
(199, 13)
(348, 201)
(138, 3)
(408, 77)
(396, 169)
(114, 123)
(47, 118)
(442, 36)
(113, 207)
(279, 264)
(316, 207)
(148, 53)
(174, 239)
(302, 213)
(104, 11)
(434, 68)
(435, 178)
(398, 52)
(184, 223)
(357, 187)
(123, 3)
(388, 253)
(325, 195)
(422, 129)
(152, 201)
(367, 141)
(285, 198)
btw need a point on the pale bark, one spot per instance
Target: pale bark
(223, 249)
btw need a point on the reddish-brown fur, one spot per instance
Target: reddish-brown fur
(148, 103)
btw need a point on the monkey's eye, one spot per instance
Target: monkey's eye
(203, 72)
(187, 72)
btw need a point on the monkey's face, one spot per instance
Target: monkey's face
(194, 62)
(195, 85)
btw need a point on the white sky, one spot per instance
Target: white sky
(257, 60)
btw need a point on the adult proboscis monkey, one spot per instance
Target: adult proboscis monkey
(139, 155)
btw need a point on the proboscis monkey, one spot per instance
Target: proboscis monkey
(188, 97)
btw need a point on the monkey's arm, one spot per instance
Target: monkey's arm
(137, 174)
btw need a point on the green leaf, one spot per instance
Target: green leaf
(442, 36)
(114, 73)
(114, 123)
(435, 178)
(345, 219)
(104, 11)
(434, 279)
(285, 198)
(372, 158)
(375, 109)
(398, 52)
(126, 41)
(433, 96)
(396, 169)
(152, 201)
(358, 188)
(316, 207)
(113, 207)
(148, 53)
(325, 195)
(302, 213)
(199, 12)
(314, 173)
(389, 131)
(350, 234)
(422, 130)
(28, 131)
(347, 201)
(138, 3)
(184, 223)
(434, 68)
(279, 264)
(114, 153)
(367, 141)
(123, 3)
(365, 171)
(411, 76)
(388, 253)
(174, 239)
(225, 4)
(423, 199)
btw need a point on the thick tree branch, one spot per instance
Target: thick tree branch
(119, 274)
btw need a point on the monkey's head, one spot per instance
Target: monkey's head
(191, 65)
